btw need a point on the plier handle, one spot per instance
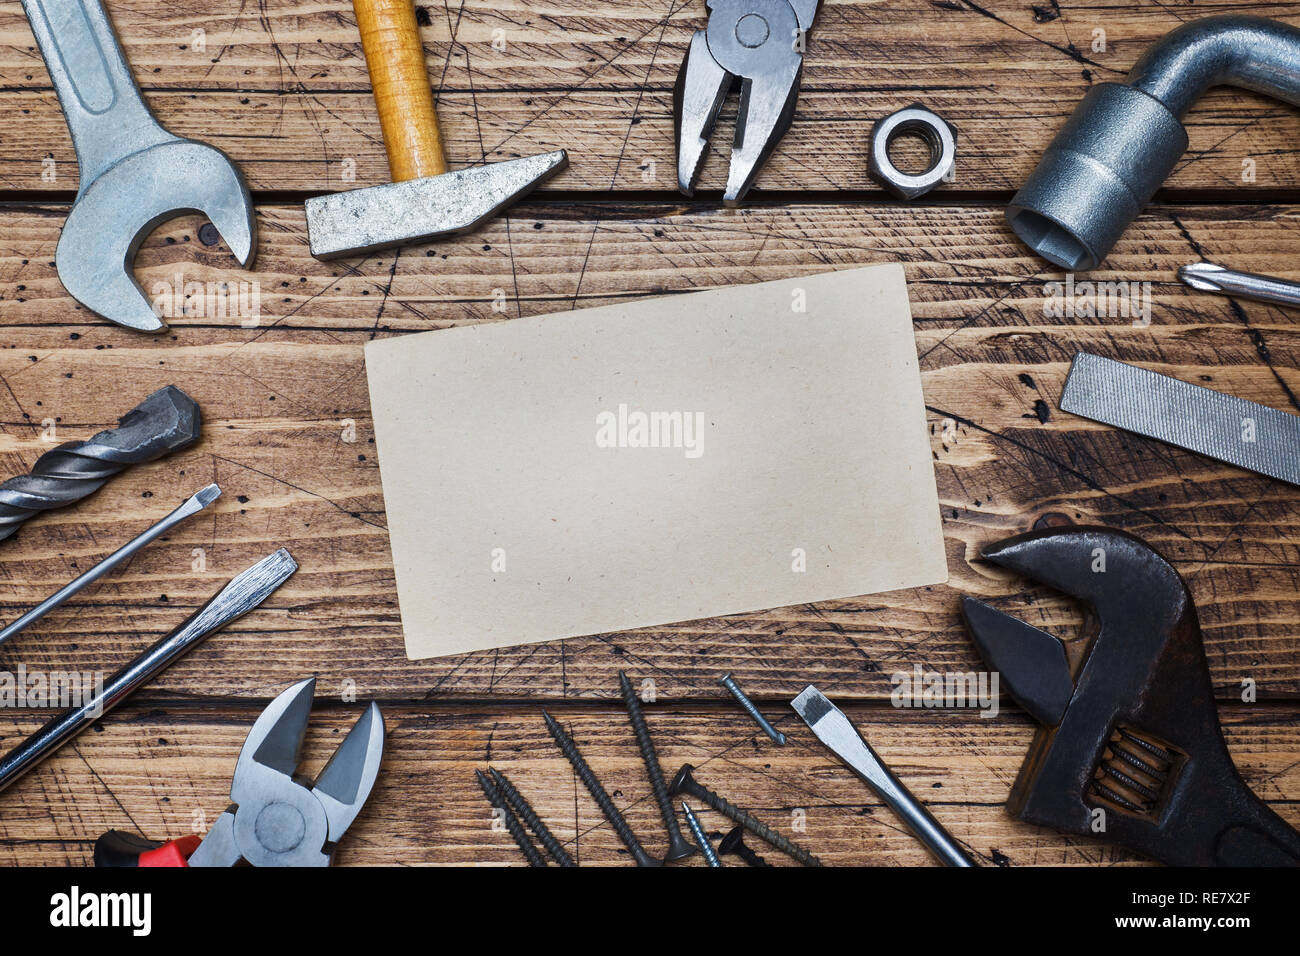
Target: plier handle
(117, 848)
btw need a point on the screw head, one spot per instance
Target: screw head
(682, 780)
(733, 841)
(680, 849)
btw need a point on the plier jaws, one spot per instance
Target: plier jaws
(758, 46)
(276, 818)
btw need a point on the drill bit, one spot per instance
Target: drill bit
(166, 421)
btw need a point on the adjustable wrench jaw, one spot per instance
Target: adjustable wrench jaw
(753, 44)
(1129, 745)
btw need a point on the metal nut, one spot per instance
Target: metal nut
(936, 131)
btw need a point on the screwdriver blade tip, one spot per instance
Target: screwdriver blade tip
(811, 705)
(1200, 275)
(255, 584)
(205, 496)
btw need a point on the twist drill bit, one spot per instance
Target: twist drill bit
(530, 817)
(570, 751)
(684, 782)
(512, 824)
(678, 846)
(166, 421)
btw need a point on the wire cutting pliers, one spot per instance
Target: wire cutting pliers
(276, 818)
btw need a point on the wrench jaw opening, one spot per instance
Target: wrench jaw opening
(1136, 754)
(114, 214)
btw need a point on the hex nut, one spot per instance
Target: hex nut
(934, 129)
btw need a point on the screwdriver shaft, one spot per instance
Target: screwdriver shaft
(1209, 277)
(244, 592)
(194, 505)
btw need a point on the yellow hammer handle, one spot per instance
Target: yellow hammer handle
(390, 38)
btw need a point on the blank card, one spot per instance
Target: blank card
(663, 460)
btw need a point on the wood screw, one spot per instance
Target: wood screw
(678, 846)
(734, 843)
(570, 751)
(685, 783)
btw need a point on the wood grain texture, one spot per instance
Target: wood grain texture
(279, 400)
(165, 772)
(282, 87)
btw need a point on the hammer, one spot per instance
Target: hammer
(424, 201)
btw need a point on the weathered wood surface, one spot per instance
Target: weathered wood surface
(165, 772)
(282, 87)
(279, 398)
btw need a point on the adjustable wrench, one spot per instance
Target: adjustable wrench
(134, 174)
(1129, 745)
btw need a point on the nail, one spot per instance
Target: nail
(745, 702)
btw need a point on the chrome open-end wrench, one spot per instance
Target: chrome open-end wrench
(134, 173)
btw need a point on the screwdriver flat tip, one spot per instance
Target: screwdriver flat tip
(205, 496)
(248, 589)
(191, 506)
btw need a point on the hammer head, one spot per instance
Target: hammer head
(116, 211)
(420, 210)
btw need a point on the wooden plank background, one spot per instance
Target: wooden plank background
(287, 431)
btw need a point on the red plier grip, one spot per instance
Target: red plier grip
(117, 848)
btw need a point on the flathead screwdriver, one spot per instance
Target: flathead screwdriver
(833, 728)
(193, 505)
(242, 594)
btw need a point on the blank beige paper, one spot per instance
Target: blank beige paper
(662, 460)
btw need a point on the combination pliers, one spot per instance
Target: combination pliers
(758, 44)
